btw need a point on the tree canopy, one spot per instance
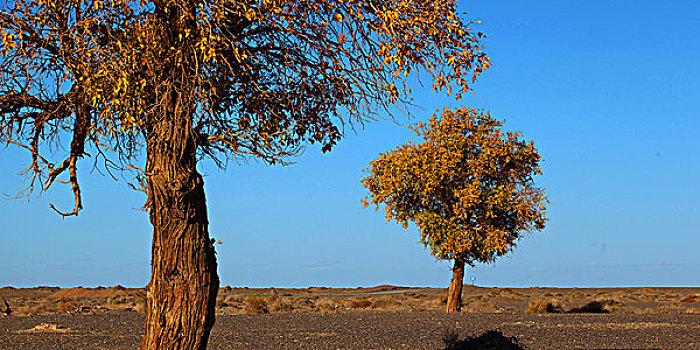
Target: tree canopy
(259, 78)
(467, 185)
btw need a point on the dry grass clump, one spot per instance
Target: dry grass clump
(641, 311)
(668, 297)
(223, 301)
(385, 303)
(255, 305)
(139, 304)
(434, 302)
(49, 308)
(693, 298)
(127, 302)
(326, 305)
(544, 306)
(481, 306)
(74, 305)
(277, 304)
(262, 305)
(647, 294)
(118, 300)
(357, 303)
(510, 293)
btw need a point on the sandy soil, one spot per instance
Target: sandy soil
(384, 317)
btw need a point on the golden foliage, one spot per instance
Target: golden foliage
(254, 77)
(467, 185)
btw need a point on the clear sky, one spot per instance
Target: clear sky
(609, 91)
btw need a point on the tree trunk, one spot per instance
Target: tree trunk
(184, 282)
(454, 295)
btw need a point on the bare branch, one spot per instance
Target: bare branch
(75, 187)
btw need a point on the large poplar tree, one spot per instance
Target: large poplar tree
(467, 185)
(178, 80)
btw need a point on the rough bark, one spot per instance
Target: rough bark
(184, 281)
(454, 294)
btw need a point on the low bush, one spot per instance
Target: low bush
(385, 304)
(544, 306)
(325, 305)
(693, 298)
(479, 306)
(277, 304)
(358, 303)
(255, 305)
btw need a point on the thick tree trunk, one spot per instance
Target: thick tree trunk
(454, 295)
(184, 282)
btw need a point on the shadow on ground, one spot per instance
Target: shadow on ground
(491, 340)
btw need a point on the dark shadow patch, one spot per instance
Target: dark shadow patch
(491, 340)
(598, 307)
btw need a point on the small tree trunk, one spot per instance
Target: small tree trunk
(454, 295)
(184, 283)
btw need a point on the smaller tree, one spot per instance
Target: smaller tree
(468, 186)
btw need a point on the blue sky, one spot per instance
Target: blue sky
(609, 91)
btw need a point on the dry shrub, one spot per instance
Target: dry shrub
(277, 304)
(255, 305)
(668, 297)
(139, 304)
(68, 306)
(24, 310)
(631, 297)
(229, 301)
(118, 300)
(305, 303)
(650, 293)
(602, 306)
(385, 303)
(641, 311)
(128, 302)
(220, 300)
(358, 303)
(507, 292)
(51, 308)
(434, 302)
(479, 306)
(693, 298)
(326, 305)
(233, 299)
(692, 310)
(544, 306)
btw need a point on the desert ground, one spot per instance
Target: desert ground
(383, 317)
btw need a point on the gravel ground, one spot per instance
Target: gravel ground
(369, 330)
